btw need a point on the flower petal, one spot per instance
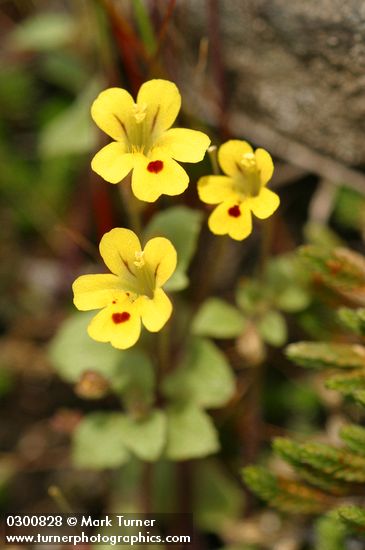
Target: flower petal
(184, 145)
(161, 257)
(119, 326)
(230, 155)
(265, 204)
(265, 165)
(159, 174)
(111, 111)
(155, 312)
(215, 189)
(232, 219)
(96, 291)
(118, 249)
(162, 100)
(112, 162)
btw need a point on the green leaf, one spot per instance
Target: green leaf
(359, 396)
(330, 533)
(288, 496)
(190, 433)
(354, 319)
(250, 296)
(181, 225)
(65, 69)
(321, 235)
(144, 437)
(204, 376)
(292, 453)
(218, 498)
(349, 209)
(272, 328)
(72, 131)
(129, 372)
(293, 299)
(13, 104)
(353, 517)
(145, 26)
(354, 437)
(98, 442)
(44, 31)
(347, 383)
(322, 355)
(134, 378)
(342, 270)
(73, 352)
(218, 319)
(338, 463)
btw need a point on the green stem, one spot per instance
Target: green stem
(214, 258)
(164, 349)
(265, 247)
(59, 498)
(132, 207)
(213, 156)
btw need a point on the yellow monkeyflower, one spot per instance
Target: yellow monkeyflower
(241, 191)
(144, 141)
(132, 292)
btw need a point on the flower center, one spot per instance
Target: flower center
(155, 166)
(141, 279)
(234, 211)
(139, 261)
(248, 161)
(118, 318)
(247, 182)
(139, 112)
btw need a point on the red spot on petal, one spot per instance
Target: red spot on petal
(114, 302)
(234, 211)
(155, 166)
(121, 317)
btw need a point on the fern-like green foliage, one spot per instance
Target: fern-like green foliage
(285, 495)
(354, 320)
(353, 517)
(327, 478)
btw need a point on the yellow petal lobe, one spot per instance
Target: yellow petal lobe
(111, 111)
(96, 291)
(232, 219)
(230, 155)
(215, 189)
(156, 175)
(162, 101)
(121, 326)
(112, 162)
(265, 165)
(155, 312)
(183, 144)
(161, 257)
(265, 204)
(118, 249)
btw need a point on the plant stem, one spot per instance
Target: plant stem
(213, 157)
(132, 208)
(164, 349)
(59, 498)
(146, 488)
(265, 247)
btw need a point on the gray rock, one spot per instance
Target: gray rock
(297, 66)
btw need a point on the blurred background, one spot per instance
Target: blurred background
(286, 76)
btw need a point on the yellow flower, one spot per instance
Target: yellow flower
(132, 292)
(241, 191)
(143, 141)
